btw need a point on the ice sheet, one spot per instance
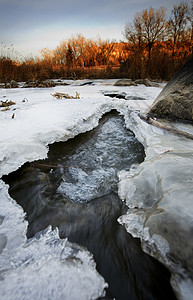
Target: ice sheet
(39, 119)
(44, 267)
(159, 194)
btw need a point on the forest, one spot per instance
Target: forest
(155, 46)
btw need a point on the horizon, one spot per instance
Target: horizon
(29, 27)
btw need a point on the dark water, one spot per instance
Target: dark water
(75, 189)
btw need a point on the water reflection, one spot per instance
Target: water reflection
(75, 190)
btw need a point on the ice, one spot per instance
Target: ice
(160, 190)
(89, 186)
(45, 266)
(94, 166)
(48, 267)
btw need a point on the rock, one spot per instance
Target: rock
(30, 84)
(146, 82)
(39, 84)
(129, 82)
(156, 85)
(125, 82)
(139, 81)
(60, 82)
(13, 84)
(176, 99)
(48, 83)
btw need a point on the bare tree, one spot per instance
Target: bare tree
(148, 27)
(69, 56)
(154, 26)
(7, 68)
(59, 53)
(177, 24)
(133, 32)
(190, 26)
(190, 18)
(134, 36)
(47, 56)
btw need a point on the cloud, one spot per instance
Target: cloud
(29, 23)
(29, 13)
(20, 11)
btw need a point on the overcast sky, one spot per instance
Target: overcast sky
(31, 25)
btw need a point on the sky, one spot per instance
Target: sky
(27, 26)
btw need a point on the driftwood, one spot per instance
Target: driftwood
(38, 165)
(149, 120)
(5, 108)
(42, 166)
(65, 96)
(6, 103)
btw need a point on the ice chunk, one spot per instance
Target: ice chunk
(48, 267)
(162, 188)
(45, 266)
(86, 187)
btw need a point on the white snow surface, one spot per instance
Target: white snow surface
(42, 119)
(47, 267)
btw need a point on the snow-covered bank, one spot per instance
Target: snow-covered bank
(40, 120)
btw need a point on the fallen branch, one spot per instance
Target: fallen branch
(5, 108)
(38, 165)
(153, 122)
(41, 166)
(6, 103)
(65, 96)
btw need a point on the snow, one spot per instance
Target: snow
(42, 119)
(45, 267)
(64, 269)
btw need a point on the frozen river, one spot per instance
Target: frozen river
(75, 190)
(77, 187)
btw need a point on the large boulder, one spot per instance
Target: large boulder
(125, 82)
(14, 84)
(129, 82)
(176, 99)
(48, 83)
(40, 84)
(146, 82)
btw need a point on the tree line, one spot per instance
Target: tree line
(159, 45)
(155, 46)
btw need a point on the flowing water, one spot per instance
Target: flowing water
(75, 189)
